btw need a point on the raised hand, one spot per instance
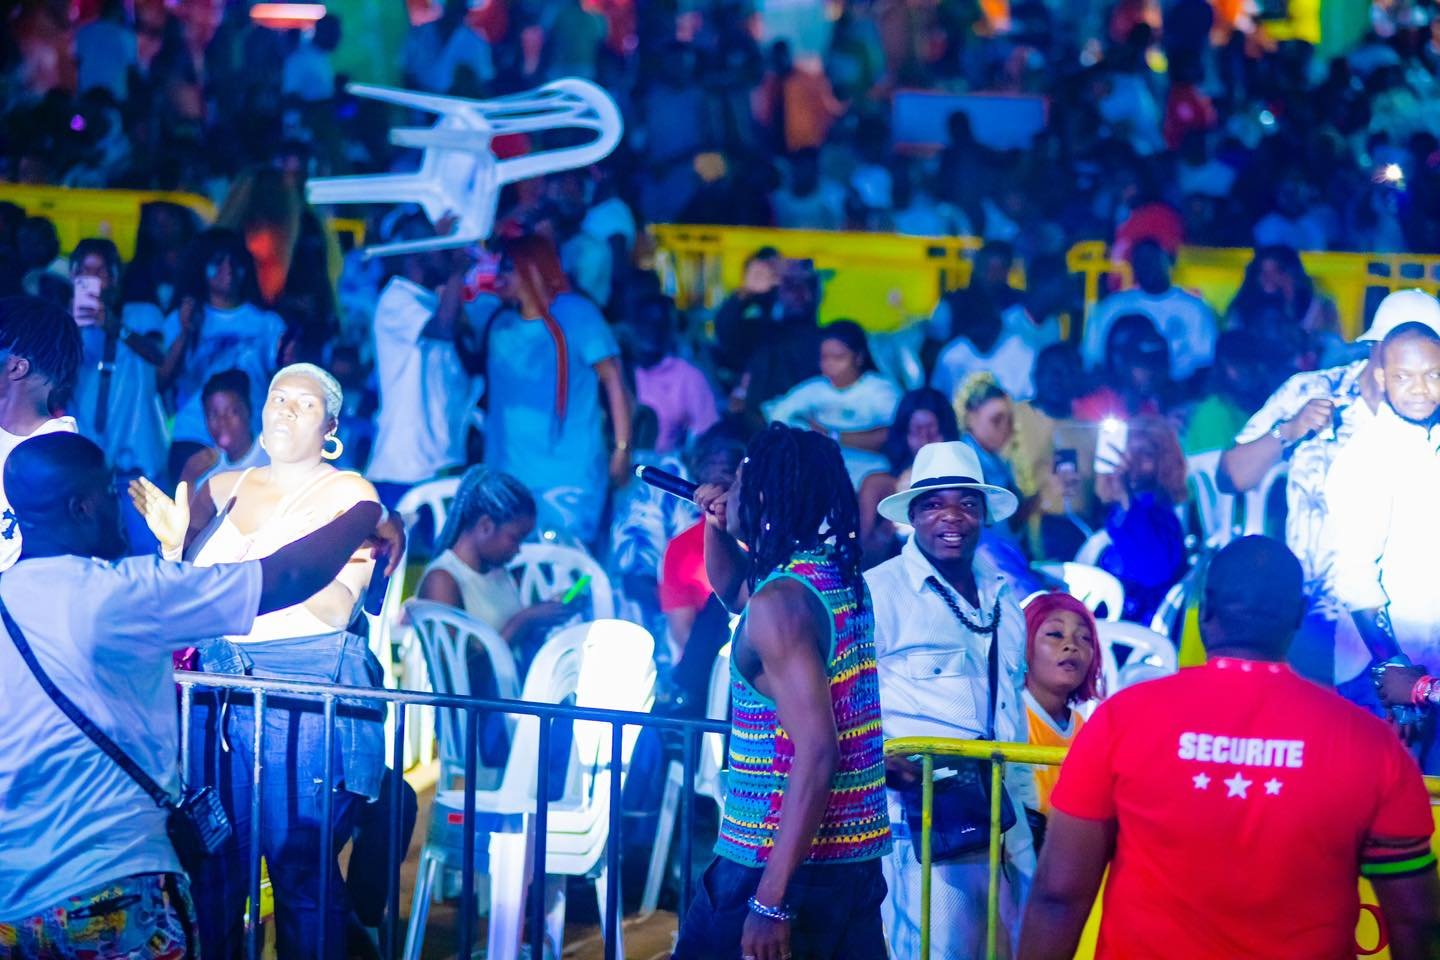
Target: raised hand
(168, 519)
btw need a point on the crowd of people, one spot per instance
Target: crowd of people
(248, 398)
(1182, 120)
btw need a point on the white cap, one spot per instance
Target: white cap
(1403, 306)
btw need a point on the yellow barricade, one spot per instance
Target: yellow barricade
(115, 214)
(883, 281)
(1369, 937)
(886, 282)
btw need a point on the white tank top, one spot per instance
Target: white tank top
(226, 544)
(491, 598)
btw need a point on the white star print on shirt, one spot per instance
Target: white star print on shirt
(1237, 785)
(1272, 787)
(1201, 781)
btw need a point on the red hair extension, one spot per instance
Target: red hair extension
(541, 278)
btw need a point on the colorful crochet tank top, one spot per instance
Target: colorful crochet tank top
(856, 825)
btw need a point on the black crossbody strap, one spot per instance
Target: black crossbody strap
(993, 658)
(96, 735)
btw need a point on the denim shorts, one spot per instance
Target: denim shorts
(836, 907)
(145, 917)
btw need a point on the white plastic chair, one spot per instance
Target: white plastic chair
(1170, 608)
(1214, 509)
(433, 495)
(1090, 551)
(1257, 501)
(445, 638)
(1150, 655)
(1090, 585)
(548, 569)
(459, 174)
(607, 664)
(709, 781)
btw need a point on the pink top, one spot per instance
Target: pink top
(682, 400)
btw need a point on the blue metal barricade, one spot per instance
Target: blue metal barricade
(262, 691)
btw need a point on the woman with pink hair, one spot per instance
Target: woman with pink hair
(1062, 648)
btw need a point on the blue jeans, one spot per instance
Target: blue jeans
(836, 906)
(291, 807)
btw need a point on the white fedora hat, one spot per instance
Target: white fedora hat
(948, 466)
(1403, 306)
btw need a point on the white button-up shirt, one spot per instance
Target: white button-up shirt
(1383, 493)
(934, 679)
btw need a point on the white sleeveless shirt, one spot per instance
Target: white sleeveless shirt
(288, 523)
(491, 598)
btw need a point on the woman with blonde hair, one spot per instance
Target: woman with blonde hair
(245, 515)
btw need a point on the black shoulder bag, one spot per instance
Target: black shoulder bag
(197, 824)
(960, 805)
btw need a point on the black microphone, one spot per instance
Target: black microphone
(668, 482)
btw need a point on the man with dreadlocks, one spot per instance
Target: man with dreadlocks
(797, 867)
(40, 352)
(951, 643)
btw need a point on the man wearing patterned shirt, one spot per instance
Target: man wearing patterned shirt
(1306, 422)
(803, 827)
(1236, 804)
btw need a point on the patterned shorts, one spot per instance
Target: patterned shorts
(145, 917)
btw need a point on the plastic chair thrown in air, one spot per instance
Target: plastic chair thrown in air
(608, 664)
(459, 173)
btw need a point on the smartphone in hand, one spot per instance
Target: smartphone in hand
(1110, 447)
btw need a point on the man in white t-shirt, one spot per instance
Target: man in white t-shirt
(40, 352)
(426, 396)
(1185, 321)
(75, 830)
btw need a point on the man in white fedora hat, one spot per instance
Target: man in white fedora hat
(1306, 423)
(950, 639)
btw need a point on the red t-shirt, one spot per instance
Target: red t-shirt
(683, 583)
(1244, 797)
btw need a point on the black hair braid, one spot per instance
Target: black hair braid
(808, 499)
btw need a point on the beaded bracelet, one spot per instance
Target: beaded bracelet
(1424, 691)
(782, 913)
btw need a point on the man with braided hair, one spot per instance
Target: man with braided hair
(797, 867)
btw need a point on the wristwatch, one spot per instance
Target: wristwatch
(1277, 432)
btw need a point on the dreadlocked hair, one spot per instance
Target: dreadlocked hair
(484, 492)
(808, 501)
(44, 334)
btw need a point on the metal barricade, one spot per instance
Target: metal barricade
(999, 753)
(262, 691)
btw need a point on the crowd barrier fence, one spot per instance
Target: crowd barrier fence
(392, 933)
(887, 282)
(115, 214)
(884, 281)
(1370, 934)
